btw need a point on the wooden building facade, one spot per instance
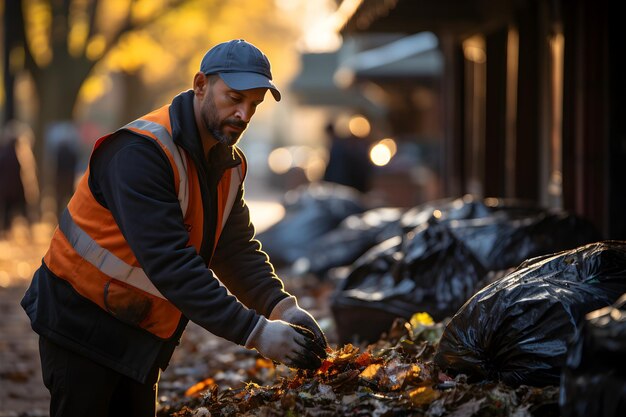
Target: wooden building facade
(531, 98)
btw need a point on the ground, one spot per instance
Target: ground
(22, 392)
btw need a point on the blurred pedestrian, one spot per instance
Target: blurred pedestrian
(63, 143)
(157, 216)
(19, 190)
(65, 174)
(348, 160)
(62, 151)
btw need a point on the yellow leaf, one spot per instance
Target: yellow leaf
(421, 319)
(370, 371)
(423, 395)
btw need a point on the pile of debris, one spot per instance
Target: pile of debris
(394, 376)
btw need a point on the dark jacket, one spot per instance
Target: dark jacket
(133, 179)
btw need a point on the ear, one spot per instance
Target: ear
(200, 83)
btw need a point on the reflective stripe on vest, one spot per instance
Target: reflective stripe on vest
(102, 259)
(161, 133)
(235, 182)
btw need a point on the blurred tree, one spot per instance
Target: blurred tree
(72, 47)
(13, 54)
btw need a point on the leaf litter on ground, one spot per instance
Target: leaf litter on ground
(395, 376)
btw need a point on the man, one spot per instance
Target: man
(160, 209)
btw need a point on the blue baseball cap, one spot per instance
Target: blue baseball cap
(241, 65)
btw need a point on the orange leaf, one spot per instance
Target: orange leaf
(325, 366)
(200, 386)
(364, 359)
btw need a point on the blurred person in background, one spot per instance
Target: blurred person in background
(19, 189)
(348, 160)
(65, 174)
(157, 218)
(63, 140)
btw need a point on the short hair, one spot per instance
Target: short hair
(212, 78)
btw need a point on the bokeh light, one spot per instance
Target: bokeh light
(280, 160)
(391, 145)
(380, 154)
(383, 151)
(359, 126)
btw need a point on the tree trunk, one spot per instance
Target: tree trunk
(134, 103)
(13, 44)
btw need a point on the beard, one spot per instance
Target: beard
(215, 126)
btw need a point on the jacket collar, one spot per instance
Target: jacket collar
(185, 134)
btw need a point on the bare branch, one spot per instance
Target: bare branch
(59, 27)
(29, 61)
(92, 9)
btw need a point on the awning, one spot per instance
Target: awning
(412, 16)
(315, 84)
(416, 55)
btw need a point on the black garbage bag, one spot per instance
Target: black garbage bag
(504, 240)
(517, 329)
(360, 232)
(310, 211)
(351, 239)
(502, 233)
(593, 382)
(428, 269)
(445, 210)
(468, 207)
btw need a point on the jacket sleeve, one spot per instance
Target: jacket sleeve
(242, 266)
(135, 181)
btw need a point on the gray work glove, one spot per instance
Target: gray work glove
(285, 343)
(288, 310)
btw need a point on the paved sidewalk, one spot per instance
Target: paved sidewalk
(22, 392)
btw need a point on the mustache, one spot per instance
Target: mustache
(237, 123)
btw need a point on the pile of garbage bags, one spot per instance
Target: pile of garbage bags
(396, 261)
(442, 253)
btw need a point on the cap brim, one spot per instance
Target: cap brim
(248, 81)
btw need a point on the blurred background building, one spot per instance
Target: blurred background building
(516, 99)
(512, 98)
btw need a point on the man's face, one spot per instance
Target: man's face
(225, 113)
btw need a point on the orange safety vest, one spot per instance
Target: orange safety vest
(89, 251)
